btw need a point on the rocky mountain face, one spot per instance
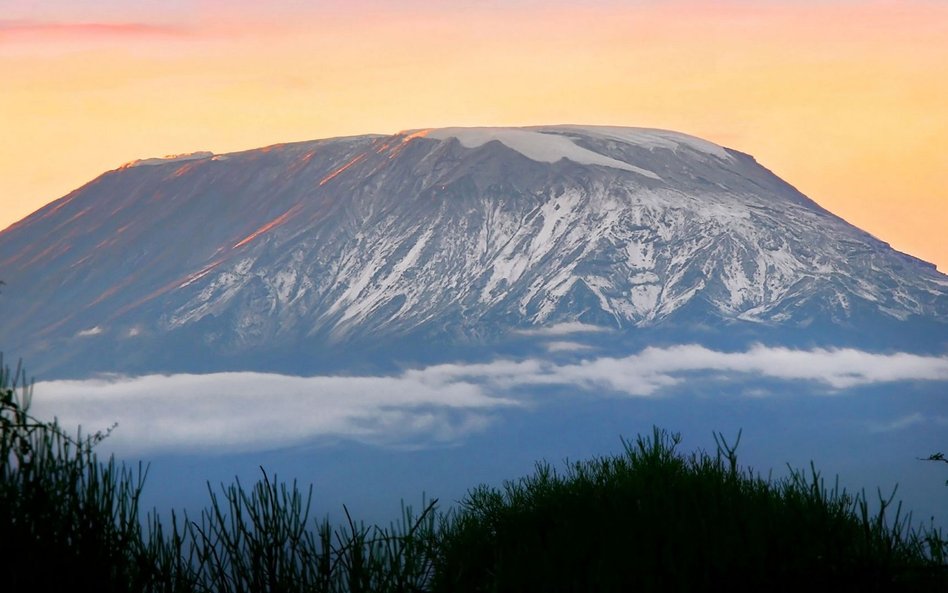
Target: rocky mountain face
(338, 251)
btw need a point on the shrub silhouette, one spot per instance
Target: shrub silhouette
(651, 519)
(68, 520)
(655, 520)
(65, 518)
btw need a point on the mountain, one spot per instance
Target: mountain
(439, 242)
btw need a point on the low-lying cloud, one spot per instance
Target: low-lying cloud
(438, 403)
(257, 410)
(565, 329)
(92, 331)
(908, 421)
(566, 346)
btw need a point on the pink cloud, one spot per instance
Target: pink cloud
(30, 29)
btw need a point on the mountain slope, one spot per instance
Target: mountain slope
(447, 237)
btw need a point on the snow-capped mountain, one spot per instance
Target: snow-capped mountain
(440, 239)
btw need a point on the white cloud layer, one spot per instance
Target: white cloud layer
(908, 421)
(564, 329)
(246, 410)
(566, 346)
(437, 403)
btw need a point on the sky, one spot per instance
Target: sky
(845, 99)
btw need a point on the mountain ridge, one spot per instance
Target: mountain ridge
(452, 235)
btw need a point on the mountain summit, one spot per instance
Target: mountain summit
(440, 240)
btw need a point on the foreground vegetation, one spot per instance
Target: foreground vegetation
(650, 519)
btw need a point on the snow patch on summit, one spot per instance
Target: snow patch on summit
(650, 138)
(171, 158)
(536, 145)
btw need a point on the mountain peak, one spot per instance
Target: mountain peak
(170, 158)
(443, 237)
(551, 143)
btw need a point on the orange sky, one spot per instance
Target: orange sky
(846, 100)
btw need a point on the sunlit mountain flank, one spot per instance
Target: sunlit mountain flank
(338, 253)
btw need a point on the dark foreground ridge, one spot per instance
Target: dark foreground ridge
(648, 519)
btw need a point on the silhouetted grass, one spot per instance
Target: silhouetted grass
(650, 519)
(65, 518)
(68, 521)
(655, 520)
